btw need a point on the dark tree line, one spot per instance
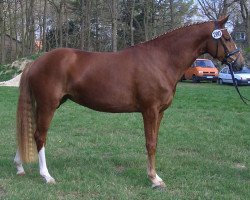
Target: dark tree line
(28, 26)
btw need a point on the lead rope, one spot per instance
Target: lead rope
(230, 64)
(244, 99)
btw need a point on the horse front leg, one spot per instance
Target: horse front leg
(152, 119)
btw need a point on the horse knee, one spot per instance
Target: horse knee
(151, 147)
(40, 140)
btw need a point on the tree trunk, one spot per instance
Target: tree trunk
(67, 26)
(82, 23)
(114, 25)
(153, 19)
(44, 46)
(2, 29)
(23, 40)
(15, 31)
(246, 19)
(248, 31)
(10, 49)
(60, 23)
(87, 30)
(30, 27)
(145, 19)
(97, 42)
(132, 40)
(171, 7)
(40, 24)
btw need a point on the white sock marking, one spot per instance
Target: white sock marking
(18, 163)
(43, 167)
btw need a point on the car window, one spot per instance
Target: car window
(244, 71)
(205, 63)
(225, 71)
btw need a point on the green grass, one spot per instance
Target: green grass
(203, 150)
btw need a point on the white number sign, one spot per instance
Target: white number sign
(216, 34)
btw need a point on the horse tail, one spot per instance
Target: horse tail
(25, 124)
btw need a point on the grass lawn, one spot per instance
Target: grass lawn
(203, 150)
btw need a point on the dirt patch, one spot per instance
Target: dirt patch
(19, 64)
(13, 82)
(119, 169)
(240, 166)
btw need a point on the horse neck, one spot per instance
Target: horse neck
(182, 46)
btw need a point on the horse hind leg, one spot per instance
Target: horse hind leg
(43, 167)
(19, 164)
(43, 119)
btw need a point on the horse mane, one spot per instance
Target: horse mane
(177, 28)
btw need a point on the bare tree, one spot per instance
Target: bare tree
(44, 25)
(91, 25)
(171, 8)
(113, 7)
(215, 9)
(88, 25)
(10, 50)
(30, 27)
(2, 29)
(17, 50)
(114, 24)
(132, 22)
(22, 27)
(58, 8)
(245, 9)
(146, 19)
(82, 23)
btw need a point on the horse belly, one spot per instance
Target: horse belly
(104, 98)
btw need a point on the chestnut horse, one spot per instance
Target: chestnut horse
(141, 78)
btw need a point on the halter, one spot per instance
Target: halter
(217, 35)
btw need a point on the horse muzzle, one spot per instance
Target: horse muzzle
(234, 59)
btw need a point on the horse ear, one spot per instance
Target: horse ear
(222, 20)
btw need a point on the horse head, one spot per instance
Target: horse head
(221, 46)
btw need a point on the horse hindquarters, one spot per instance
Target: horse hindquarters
(34, 115)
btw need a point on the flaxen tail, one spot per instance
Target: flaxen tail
(25, 124)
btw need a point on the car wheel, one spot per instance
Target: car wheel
(195, 79)
(182, 78)
(220, 81)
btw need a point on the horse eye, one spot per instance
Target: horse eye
(228, 39)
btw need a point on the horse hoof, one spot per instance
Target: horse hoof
(20, 173)
(51, 181)
(160, 186)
